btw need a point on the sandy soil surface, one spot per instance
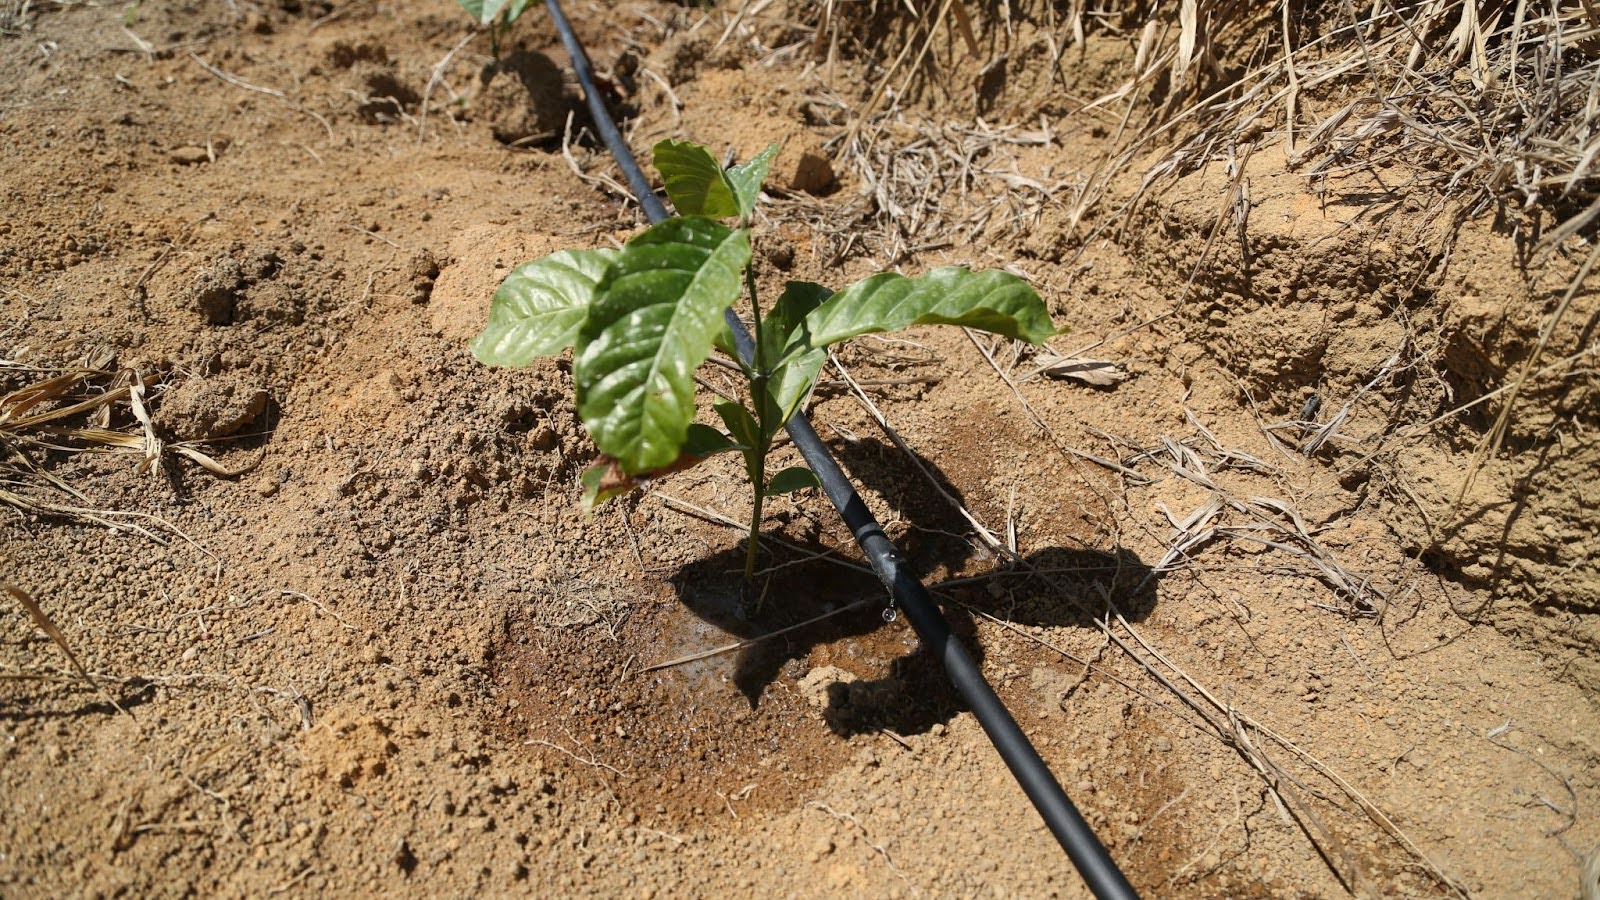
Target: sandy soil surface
(378, 649)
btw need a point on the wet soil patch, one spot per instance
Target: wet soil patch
(754, 729)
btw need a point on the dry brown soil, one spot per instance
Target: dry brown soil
(394, 657)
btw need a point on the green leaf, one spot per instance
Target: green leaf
(789, 383)
(741, 425)
(729, 347)
(540, 306)
(798, 300)
(993, 301)
(703, 441)
(793, 478)
(651, 324)
(486, 10)
(790, 378)
(482, 10)
(695, 184)
(746, 179)
(601, 484)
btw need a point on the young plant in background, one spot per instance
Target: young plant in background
(496, 15)
(641, 320)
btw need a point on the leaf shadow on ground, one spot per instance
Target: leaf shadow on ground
(884, 680)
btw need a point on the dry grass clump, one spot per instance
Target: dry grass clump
(1461, 107)
(1488, 102)
(934, 186)
(14, 17)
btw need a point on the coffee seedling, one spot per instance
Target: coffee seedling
(642, 319)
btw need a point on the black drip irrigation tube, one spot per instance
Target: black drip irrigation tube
(1098, 869)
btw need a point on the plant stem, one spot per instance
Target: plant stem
(756, 463)
(758, 473)
(759, 363)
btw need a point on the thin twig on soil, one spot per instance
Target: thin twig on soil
(435, 77)
(41, 619)
(591, 762)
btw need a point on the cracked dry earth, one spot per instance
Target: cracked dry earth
(390, 656)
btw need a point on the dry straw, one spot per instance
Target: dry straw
(1486, 103)
(72, 409)
(1493, 102)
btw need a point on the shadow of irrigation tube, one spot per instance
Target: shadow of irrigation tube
(1096, 866)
